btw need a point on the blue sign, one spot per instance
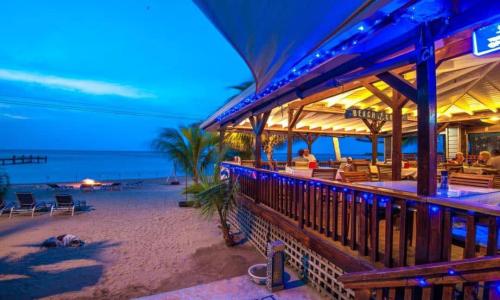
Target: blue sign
(486, 39)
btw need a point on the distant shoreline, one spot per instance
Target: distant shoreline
(123, 180)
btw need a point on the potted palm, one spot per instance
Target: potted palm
(216, 196)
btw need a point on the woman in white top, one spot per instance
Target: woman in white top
(310, 157)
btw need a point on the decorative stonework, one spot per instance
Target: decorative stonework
(316, 270)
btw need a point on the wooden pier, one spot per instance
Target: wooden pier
(23, 159)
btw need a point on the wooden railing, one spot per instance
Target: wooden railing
(387, 227)
(448, 280)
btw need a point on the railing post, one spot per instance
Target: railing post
(422, 234)
(301, 204)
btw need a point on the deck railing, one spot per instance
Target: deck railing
(437, 280)
(388, 228)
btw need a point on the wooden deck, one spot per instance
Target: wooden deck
(362, 228)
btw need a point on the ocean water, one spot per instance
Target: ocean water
(74, 166)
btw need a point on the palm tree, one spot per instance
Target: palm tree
(191, 146)
(240, 88)
(217, 196)
(271, 142)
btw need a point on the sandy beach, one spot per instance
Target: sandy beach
(137, 243)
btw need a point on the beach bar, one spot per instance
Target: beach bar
(381, 69)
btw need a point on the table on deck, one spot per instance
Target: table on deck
(466, 197)
(405, 172)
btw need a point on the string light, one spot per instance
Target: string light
(358, 32)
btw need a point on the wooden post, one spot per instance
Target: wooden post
(387, 148)
(289, 139)
(374, 138)
(309, 139)
(426, 107)
(374, 127)
(293, 119)
(397, 134)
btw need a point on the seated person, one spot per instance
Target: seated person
(349, 166)
(482, 159)
(458, 160)
(300, 156)
(494, 161)
(307, 155)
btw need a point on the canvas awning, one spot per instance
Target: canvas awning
(295, 48)
(274, 36)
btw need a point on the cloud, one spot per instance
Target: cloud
(93, 87)
(17, 117)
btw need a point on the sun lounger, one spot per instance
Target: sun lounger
(26, 203)
(3, 206)
(56, 186)
(115, 186)
(64, 202)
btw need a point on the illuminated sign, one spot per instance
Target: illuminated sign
(370, 114)
(486, 39)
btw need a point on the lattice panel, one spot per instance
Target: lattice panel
(321, 274)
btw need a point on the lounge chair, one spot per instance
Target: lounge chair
(115, 186)
(3, 206)
(26, 203)
(56, 186)
(65, 202)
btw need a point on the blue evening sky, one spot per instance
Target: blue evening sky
(143, 57)
(108, 75)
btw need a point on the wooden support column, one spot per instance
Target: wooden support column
(258, 123)
(293, 118)
(398, 101)
(425, 97)
(426, 107)
(374, 126)
(309, 139)
(374, 138)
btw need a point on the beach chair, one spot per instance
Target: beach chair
(115, 186)
(26, 203)
(3, 205)
(57, 187)
(384, 172)
(64, 202)
(328, 174)
(354, 176)
(484, 181)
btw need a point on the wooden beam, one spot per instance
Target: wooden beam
(378, 93)
(442, 127)
(400, 84)
(488, 103)
(426, 106)
(326, 110)
(293, 118)
(471, 84)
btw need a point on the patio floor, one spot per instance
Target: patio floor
(241, 288)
